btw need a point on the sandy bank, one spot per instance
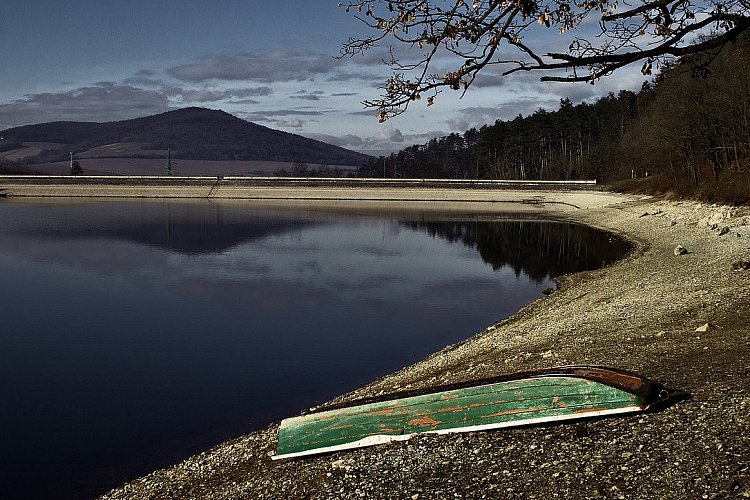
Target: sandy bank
(640, 314)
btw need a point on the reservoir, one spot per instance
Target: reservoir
(137, 333)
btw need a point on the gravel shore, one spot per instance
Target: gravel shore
(647, 313)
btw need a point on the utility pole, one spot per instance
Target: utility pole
(71, 161)
(169, 161)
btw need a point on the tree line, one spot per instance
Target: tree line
(686, 132)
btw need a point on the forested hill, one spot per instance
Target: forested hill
(687, 132)
(565, 144)
(191, 133)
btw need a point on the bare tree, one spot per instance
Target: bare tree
(75, 168)
(476, 34)
(300, 169)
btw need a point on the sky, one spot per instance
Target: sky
(272, 63)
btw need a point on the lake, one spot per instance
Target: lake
(136, 333)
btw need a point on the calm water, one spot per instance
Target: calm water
(134, 334)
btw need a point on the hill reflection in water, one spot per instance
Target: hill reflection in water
(537, 248)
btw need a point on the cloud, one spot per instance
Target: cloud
(308, 96)
(244, 101)
(529, 84)
(267, 67)
(423, 137)
(365, 112)
(465, 118)
(283, 118)
(208, 95)
(285, 112)
(576, 93)
(103, 101)
(489, 80)
(383, 142)
(346, 141)
(143, 81)
(390, 134)
(374, 80)
(477, 116)
(294, 123)
(281, 66)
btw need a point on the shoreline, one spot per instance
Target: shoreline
(639, 314)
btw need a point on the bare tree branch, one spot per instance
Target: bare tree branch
(474, 33)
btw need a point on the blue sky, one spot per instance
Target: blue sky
(267, 62)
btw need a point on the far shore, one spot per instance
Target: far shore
(478, 196)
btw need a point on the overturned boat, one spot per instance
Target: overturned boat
(519, 399)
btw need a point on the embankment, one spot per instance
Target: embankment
(577, 194)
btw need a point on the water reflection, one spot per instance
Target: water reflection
(137, 333)
(182, 228)
(538, 249)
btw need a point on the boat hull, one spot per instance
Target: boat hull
(527, 398)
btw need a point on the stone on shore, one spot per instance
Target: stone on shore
(680, 250)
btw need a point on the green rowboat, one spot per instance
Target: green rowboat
(526, 398)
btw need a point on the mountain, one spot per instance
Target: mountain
(190, 133)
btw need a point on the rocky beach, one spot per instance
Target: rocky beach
(677, 316)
